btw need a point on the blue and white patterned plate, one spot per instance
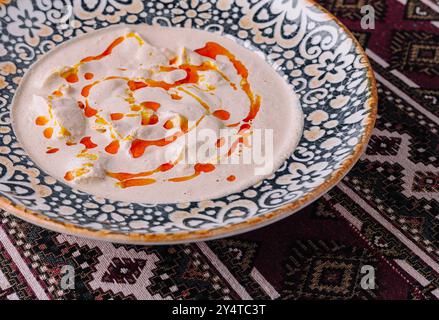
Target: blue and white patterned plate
(307, 45)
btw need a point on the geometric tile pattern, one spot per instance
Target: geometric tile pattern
(416, 10)
(326, 270)
(419, 180)
(416, 51)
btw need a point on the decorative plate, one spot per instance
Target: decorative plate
(317, 55)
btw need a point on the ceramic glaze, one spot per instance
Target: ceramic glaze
(113, 113)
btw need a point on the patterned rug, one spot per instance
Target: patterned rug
(382, 220)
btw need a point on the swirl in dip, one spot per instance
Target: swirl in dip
(156, 115)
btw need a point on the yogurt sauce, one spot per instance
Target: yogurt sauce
(118, 113)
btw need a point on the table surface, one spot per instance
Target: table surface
(384, 214)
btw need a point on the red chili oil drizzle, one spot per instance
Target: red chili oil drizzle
(52, 150)
(88, 144)
(138, 146)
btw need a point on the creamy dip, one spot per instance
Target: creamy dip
(125, 112)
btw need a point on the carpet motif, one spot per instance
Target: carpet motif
(383, 214)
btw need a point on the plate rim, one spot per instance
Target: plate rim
(233, 229)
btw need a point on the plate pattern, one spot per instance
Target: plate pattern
(314, 54)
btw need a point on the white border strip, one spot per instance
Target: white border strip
(377, 58)
(386, 224)
(396, 90)
(24, 269)
(404, 96)
(401, 76)
(264, 284)
(236, 286)
(430, 4)
(413, 272)
(4, 283)
(346, 214)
